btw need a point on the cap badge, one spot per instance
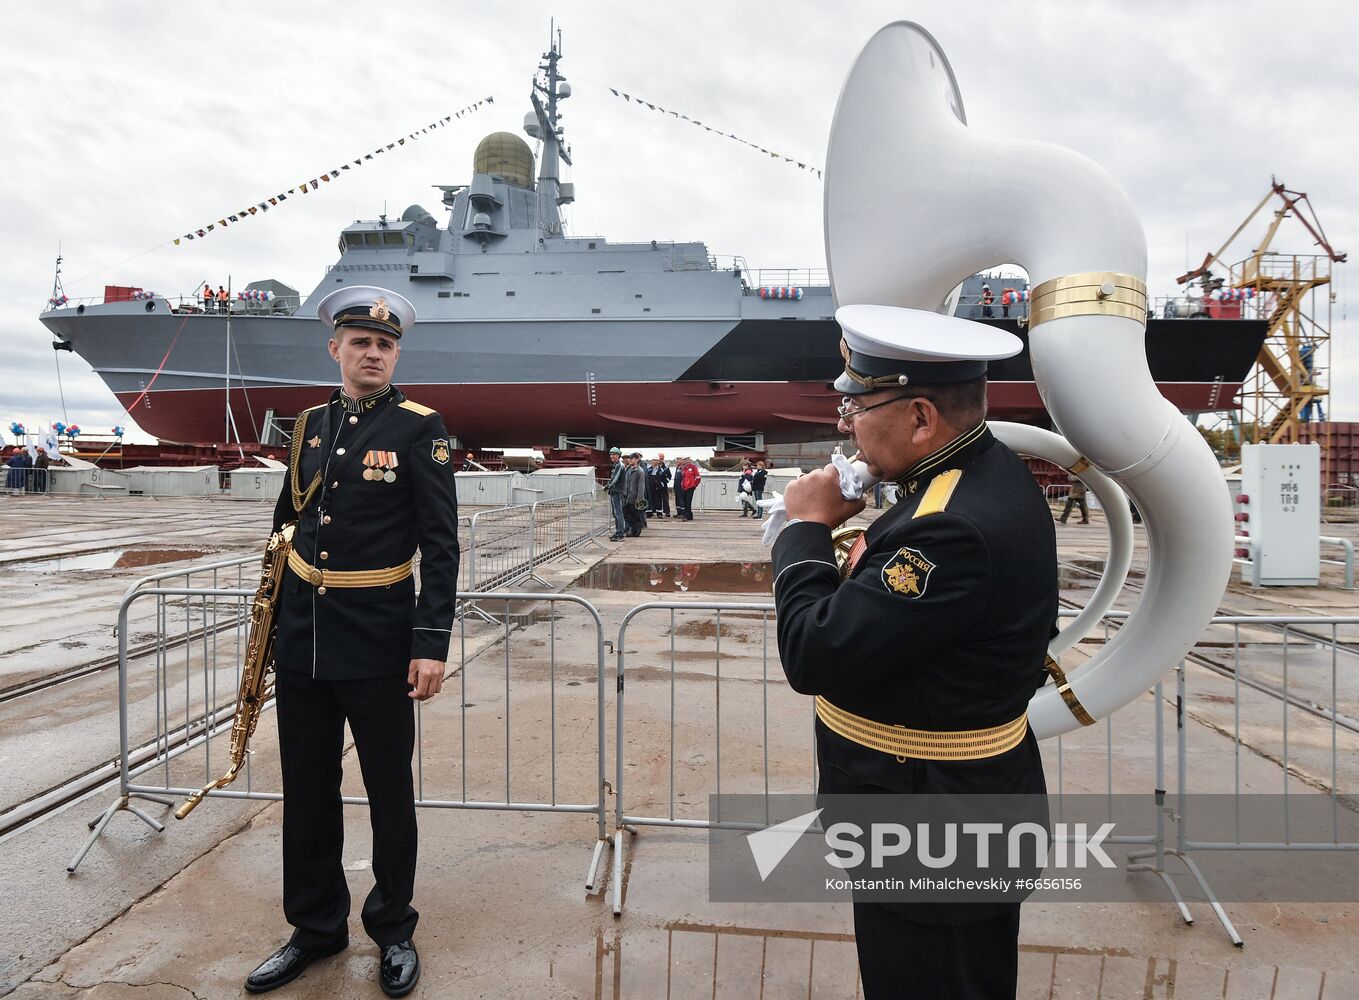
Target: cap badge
(907, 573)
(379, 311)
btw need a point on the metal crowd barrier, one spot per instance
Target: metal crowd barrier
(17, 481)
(505, 545)
(1302, 686)
(1075, 761)
(1299, 674)
(180, 742)
(625, 821)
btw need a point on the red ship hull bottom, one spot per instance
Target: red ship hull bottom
(522, 415)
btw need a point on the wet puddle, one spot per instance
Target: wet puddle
(677, 578)
(108, 559)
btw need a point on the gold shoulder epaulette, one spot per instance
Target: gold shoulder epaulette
(937, 495)
(414, 407)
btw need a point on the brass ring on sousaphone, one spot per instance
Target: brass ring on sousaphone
(915, 202)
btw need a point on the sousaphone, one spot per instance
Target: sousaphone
(915, 202)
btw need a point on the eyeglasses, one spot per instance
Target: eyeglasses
(848, 411)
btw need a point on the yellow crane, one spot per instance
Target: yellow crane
(1288, 381)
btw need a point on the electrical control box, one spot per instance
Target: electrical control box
(1279, 510)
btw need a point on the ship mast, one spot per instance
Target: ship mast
(552, 88)
(58, 292)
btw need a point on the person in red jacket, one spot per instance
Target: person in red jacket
(689, 478)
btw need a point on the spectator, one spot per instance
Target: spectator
(1008, 296)
(469, 464)
(745, 490)
(40, 465)
(662, 486)
(16, 477)
(615, 491)
(658, 483)
(758, 482)
(987, 298)
(207, 298)
(1076, 497)
(653, 496)
(634, 494)
(223, 305)
(689, 478)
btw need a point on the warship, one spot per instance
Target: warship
(530, 337)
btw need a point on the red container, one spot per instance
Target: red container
(119, 293)
(1224, 310)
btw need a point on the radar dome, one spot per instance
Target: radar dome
(416, 213)
(506, 156)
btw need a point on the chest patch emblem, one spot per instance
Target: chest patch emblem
(439, 451)
(907, 573)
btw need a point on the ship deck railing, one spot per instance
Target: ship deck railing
(180, 305)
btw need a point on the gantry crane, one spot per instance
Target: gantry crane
(1287, 384)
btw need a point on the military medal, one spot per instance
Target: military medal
(314, 442)
(378, 466)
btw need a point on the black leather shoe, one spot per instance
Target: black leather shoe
(285, 965)
(400, 969)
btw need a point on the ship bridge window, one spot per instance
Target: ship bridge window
(354, 239)
(372, 239)
(390, 239)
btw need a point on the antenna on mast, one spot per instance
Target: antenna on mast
(58, 293)
(547, 92)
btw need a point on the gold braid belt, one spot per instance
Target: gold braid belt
(922, 744)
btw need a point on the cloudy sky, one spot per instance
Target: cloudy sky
(128, 124)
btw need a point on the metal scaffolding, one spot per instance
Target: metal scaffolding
(1287, 387)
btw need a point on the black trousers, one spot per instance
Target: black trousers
(635, 519)
(683, 503)
(311, 718)
(901, 959)
(663, 495)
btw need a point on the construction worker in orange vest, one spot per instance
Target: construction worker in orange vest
(222, 299)
(207, 297)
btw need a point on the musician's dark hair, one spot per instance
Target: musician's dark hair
(961, 404)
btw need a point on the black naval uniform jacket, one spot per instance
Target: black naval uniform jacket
(358, 523)
(943, 624)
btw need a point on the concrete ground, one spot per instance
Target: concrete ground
(505, 912)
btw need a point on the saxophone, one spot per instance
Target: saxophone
(256, 676)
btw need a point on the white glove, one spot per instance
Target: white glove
(851, 488)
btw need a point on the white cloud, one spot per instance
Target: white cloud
(131, 124)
